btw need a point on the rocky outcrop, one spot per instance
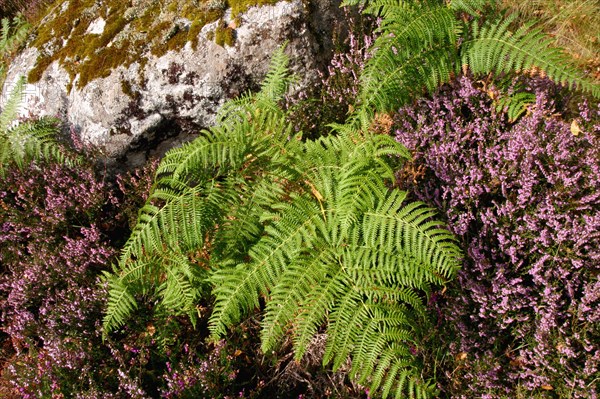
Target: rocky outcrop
(145, 107)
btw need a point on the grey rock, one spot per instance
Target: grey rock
(173, 96)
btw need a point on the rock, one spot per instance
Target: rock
(150, 104)
(96, 27)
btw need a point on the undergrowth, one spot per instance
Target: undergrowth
(524, 199)
(519, 189)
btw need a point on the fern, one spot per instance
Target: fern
(29, 140)
(179, 224)
(311, 227)
(472, 7)
(495, 48)
(12, 35)
(278, 78)
(207, 194)
(423, 44)
(10, 112)
(348, 247)
(515, 105)
(420, 52)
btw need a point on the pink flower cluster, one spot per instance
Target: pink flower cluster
(524, 198)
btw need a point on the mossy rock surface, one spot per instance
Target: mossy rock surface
(132, 31)
(107, 71)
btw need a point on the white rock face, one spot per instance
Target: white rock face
(96, 27)
(175, 95)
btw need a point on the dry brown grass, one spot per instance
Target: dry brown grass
(575, 25)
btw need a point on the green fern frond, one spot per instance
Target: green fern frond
(473, 7)
(390, 81)
(172, 225)
(423, 44)
(289, 294)
(416, 50)
(168, 276)
(410, 227)
(4, 34)
(515, 105)
(121, 303)
(347, 246)
(309, 227)
(182, 287)
(221, 173)
(278, 79)
(37, 140)
(248, 130)
(10, 112)
(5, 154)
(30, 140)
(238, 294)
(495, 47)
(212, 150)
(239, 142)
(348, 3)
(237, 290)
(244, 226)
(125, 283)
(316, 306)
(12, 34)
(345, 326)
(179, 222)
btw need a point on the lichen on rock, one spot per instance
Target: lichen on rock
(153, 75)
(91, 38)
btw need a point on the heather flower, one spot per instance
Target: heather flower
(525, 200)
(338, 87)
(57, 224)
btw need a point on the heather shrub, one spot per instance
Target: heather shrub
(332, 99)
(236, 368)
(525, 200)
(51, 249)
(30, 8)
(60, 227)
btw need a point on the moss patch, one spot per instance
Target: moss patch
(131, 33)
(239, 6)
(224, 36)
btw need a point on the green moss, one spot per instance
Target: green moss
(239, 6)
(103, 62)
(62, 24)
(155, 37)
(84, 54)
(175, 42)
(126, 88)
(129, 91)
(150, 30)
(36, 73)
(224, 36)
(178, 40)
(191, 9)
(194, 33)
(209, 16)
(173, 7)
